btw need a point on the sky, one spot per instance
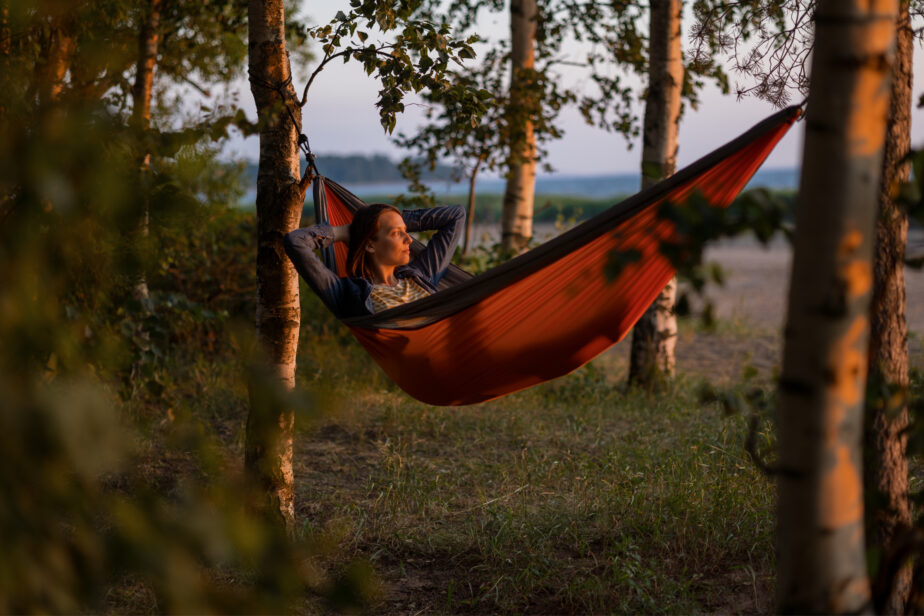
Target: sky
(341, 118)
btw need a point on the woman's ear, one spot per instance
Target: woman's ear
(370, 248)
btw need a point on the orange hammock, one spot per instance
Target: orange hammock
(551, 310)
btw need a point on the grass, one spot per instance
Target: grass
(576, 496)
(572, 497)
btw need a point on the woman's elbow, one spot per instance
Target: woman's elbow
(289, 242)
(457, 215)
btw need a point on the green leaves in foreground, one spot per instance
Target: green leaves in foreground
(114, 493)
(86, 525)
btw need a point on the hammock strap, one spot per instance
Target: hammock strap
(301, 141)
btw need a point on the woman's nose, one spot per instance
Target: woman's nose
(407, 238)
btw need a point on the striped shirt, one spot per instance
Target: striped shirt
(406, 290)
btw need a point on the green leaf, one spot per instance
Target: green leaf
(651, 170)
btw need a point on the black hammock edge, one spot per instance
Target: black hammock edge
(459, 289)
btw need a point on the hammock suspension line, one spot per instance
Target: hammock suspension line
(302, 140)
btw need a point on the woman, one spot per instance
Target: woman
(382, 273)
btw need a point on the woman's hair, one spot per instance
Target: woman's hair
(362, 230)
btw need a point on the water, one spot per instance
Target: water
(590, 186)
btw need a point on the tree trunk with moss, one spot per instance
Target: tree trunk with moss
(887, 418)
(268, 447)
(821, 557)
(148, 38)
(519, 193)
(654, 337)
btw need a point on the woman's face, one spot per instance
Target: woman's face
(391, 244)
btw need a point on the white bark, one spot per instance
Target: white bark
(654, 337)
(821, 555)
(519, 193)
(269, 439)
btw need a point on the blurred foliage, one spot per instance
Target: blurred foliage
(114, 494)
(85, 525)
(760, 213)
(911, 197)
(755, 399)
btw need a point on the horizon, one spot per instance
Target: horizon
(540, 173)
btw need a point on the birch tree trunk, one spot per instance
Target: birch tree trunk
(654, 337)
(466, 245)
(5, 46)
(148, 38)
(886, 421)
(268, 447)
(519, 193)
(57, 52)
(821, 557)
(5, 41)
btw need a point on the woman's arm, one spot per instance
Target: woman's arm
(300, 246)
(449, 223)
(342, 233)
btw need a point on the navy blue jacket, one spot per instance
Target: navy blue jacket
(349, 297)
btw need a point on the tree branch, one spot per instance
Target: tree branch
(327, 58)
(201, 89)
(339, 54)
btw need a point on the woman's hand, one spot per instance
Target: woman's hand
(342, 233)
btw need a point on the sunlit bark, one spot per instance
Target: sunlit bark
(821, 557)
(57, 53)
(5, 48)
(655, 335)
(519, 194)
(148, 38)
(5, 39)
(268, 447)
(887, 419)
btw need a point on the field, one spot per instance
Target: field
(578, 496)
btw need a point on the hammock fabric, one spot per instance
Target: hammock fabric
(551, 310)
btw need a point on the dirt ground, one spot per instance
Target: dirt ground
(751, 308)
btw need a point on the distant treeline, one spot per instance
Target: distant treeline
(552, 208)
(358, 168)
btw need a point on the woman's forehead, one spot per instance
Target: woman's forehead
(390, 220)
